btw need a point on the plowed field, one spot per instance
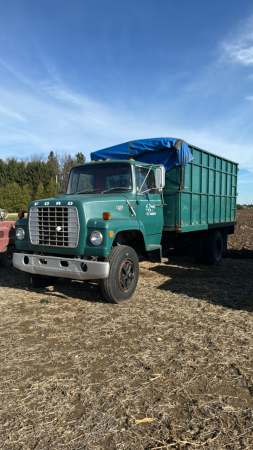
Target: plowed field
(169, 369)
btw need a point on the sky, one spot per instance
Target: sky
(81, 75)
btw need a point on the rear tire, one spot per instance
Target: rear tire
(39, 281)
(123, 276)
(213, 247)
(198, 248)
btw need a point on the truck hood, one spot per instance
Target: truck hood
(84, 208)
(84, 199)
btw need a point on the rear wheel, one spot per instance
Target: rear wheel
(123, 276)
(198, 248)
(213, 247)
(39, 281)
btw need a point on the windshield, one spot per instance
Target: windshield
(100, 178)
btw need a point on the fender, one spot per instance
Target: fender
(109, 229)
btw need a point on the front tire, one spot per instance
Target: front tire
(38, 281)
(123, 276)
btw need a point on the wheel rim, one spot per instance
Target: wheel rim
(126, 275)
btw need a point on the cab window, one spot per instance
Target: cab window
(141, 175)
(118, 180)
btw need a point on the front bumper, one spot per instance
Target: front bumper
(76, 269)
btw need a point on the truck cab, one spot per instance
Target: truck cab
(111, 213)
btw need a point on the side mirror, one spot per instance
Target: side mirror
(160, 177)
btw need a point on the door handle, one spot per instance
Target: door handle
(131, 208)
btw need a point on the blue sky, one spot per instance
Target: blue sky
(82, 75)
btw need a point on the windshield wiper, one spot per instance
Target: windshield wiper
(87, 191)
(116, 188)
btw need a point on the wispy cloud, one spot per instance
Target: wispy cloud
(240, 53)
(239, 49)
(44, 113)
(56, 117)
(9, 113)
(60, 119)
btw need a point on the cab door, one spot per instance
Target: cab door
(149, 203)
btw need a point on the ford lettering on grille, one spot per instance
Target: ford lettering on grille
(54, 226)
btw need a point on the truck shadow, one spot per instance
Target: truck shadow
(243, 253)
(84, 290)
(230, 284)
(87, 291)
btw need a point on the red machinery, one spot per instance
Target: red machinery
(7, 241)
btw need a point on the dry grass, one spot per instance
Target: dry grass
(78, 373)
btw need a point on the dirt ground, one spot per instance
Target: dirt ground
(169, 369)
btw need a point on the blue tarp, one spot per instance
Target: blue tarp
(167, 151)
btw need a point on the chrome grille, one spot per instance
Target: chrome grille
(54, 226)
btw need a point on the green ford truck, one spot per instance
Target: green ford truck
(134, 200)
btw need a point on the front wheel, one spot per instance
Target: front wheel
(123, 276)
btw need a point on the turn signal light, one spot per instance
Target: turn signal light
(111, 233)
(21, 214)
(178, 229)
(106, 216)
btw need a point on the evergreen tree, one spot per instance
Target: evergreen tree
(69, 163)
(12, 197)
(33, 178)
(50, 189)
(26, 180)
(2, 198)
(22, 173)
(53, 160)
(39, 171)
(25, 198)
(49, 172)
(3, 173)
(80, 158)
(40, 192)
(12, 175)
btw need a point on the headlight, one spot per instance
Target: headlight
(20, 234)
(96, 237)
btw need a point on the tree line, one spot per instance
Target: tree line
(26, 180)
(244, 206)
